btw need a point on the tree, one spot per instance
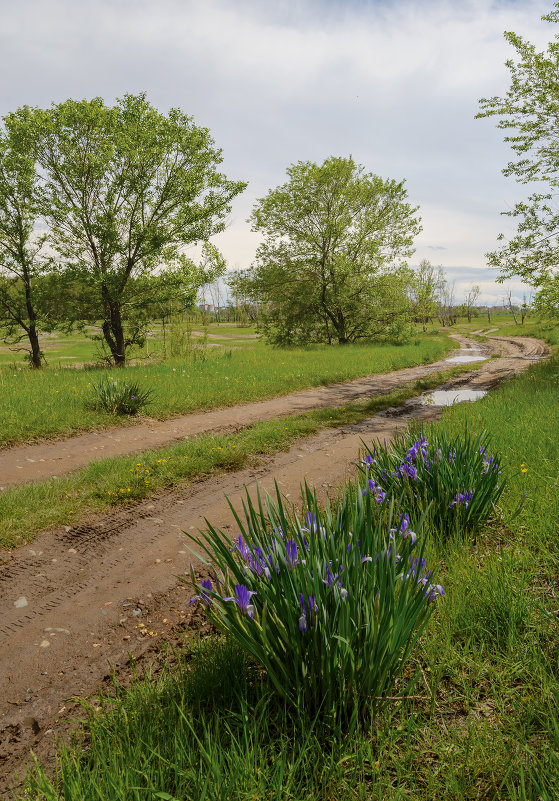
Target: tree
(530, 112)
(22, 259)
(331, 263)
(426, 289)
(125, 188)
(447, 314)
(471, 297)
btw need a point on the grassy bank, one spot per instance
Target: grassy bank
(55, 402)
(483, 722)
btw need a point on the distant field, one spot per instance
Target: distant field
(77, 349)
(54, 402)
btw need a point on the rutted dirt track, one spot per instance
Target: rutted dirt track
(77, 601)
(38, 461)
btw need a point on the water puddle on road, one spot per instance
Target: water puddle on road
(474, 356)
(446, 397)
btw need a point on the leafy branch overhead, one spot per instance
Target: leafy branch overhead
(529, 114)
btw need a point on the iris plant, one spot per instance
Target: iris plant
(329, 605)
(453, 483)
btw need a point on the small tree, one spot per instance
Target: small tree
(471, 297)
(331, 265)
(125, 188)
(426, 289)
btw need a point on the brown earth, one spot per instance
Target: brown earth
(80, 600)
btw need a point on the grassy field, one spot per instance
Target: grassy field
(484, 720)
(77, 348)
(55, 402)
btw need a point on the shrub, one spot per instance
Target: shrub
(451, 482)
(119, 397)
(329, 607)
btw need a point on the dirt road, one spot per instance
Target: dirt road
(43, 460)
(77, 601)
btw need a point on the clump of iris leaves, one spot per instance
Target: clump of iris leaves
(118, 397)
(331, 602)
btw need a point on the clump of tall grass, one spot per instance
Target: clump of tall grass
(118, 397)
(452, 481)
(330, 605)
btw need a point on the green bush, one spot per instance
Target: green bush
(330, 607)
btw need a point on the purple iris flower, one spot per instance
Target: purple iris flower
(408, 470)
(367, 461)
(312, 524)
(204, 596)
(291, 552)
(311, 602)
(462, 498)
(433, 591)
(242, 599)
(242, 548)
(378, 493)
(257, 563)
(404, 521)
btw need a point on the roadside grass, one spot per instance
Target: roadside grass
(522, 418)
(54, 402)
(483, 720)
(111, 482)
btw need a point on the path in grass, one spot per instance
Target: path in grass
(43, 460)
(80, 599)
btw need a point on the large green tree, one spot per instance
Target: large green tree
(125, 188)
(529, 113)
(331, 263)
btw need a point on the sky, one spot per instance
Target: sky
(394, 84)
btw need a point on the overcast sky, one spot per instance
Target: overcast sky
(394, 84)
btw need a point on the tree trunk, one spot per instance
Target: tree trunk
(36, 355)
(488, 315)
(112, 329)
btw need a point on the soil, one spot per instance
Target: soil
(81, 601)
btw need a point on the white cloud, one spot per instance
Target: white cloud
(395, 84)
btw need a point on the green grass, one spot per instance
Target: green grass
(55, 402)
(484, 723)
(111, 482)
(522, 417)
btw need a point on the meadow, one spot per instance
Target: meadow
(477, 711)
(56, 402)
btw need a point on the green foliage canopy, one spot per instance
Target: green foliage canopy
(330, 267)
(529, 113)
(125, 188)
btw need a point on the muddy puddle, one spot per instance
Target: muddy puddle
(447, 397)
(466, 358)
